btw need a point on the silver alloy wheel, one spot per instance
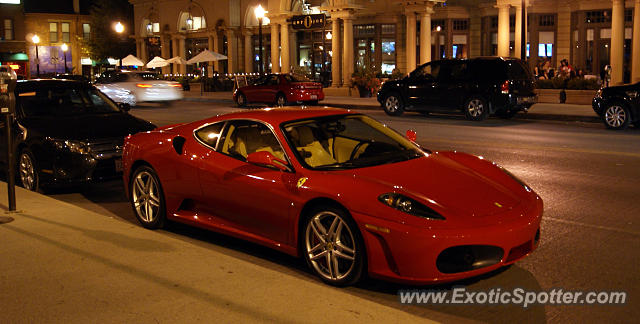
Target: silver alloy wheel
(27, 172)
(391, 104)
(281, 100)
(475, 107)
(330, 246)
(146, 196)
(615, 116)
(241, 101)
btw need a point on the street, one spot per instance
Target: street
(586, 175)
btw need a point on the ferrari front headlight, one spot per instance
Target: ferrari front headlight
(408, 205)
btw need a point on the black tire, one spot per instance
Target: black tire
(476, 108)
(149, 210)
(27, 171)
(332, 252)
(241, 100)
(281, 100)
(393, 105)
(616, 116)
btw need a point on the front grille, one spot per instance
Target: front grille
(106, 149)
(468, 257)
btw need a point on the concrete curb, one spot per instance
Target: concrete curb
(529, 115)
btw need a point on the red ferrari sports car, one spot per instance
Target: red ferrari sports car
(347, 193)
(279, 89)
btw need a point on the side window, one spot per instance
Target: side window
(210, 134)
(453, 71)
(273, 80)
(242, 137)
(422, 72)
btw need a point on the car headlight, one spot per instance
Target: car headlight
(518, 180)
(71, 146)
(408, 205)
(599, 93)
(632, 94)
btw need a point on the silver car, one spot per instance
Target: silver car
(134, 87)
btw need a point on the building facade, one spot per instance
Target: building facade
(390, 34)
(55, 23)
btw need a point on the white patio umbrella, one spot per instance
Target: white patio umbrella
(177, 60)
(206, 56)
(157, 62)
(132, 60)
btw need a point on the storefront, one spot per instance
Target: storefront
(17, 61)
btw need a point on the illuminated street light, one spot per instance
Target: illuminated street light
(119, 27)
(329, 36)
(259, 12)
(35, 39)
(64, 52)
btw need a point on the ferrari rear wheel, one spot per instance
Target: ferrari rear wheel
(281, 100)
(241, 100)
(147, 198)
(333, 246)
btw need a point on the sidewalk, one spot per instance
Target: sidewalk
(542, 111)
(60, 263)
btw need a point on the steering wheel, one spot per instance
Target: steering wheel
(356, 149)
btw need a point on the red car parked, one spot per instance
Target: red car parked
(340, 189)
(280, 89)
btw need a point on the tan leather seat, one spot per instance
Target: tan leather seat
(310, 149)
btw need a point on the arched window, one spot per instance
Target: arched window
(188, 21)
(149, 28)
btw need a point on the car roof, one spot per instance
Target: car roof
(34, 83)
(276, 116)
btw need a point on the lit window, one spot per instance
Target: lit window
(65, 32)
(156, 27)
(86, 31)
(8, 29)
(53, 32)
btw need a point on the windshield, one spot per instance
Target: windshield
(57, 101)
(346, 142)
(296, 78)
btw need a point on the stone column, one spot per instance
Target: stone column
(425, 36)
(183, 53)
(211, 67)
(144, 56)
(411, 41)
(635, 54)
(284, 47)
(336, 79)
(275, 51)
(215, 39)
(617, 42)
(518, 33)
(164, 50)
(347, 50)
(503, 30)
(174, 48)
(293, 48)
(563, 35)
(232, 48)
(248, 52)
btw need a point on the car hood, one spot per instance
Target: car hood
(86, 127)
(463, 185)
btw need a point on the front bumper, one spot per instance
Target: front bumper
(406, 254)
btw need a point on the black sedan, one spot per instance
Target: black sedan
(67, 133)
(618, 105)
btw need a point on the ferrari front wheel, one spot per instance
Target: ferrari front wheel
(333, 246)
(147, 198)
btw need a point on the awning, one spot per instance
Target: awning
(13, 57)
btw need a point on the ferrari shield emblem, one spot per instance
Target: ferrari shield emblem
(301, 181)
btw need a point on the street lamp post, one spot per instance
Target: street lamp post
(35, 39)
(119, 28)
(64, 52)
(259, 12)
(523, 32)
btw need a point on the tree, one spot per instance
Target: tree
(104, 41)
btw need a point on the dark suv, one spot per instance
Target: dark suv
(479, 87)
(618, 105)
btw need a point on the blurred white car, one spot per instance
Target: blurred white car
(134, 87)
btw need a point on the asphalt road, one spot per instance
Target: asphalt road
(587, 176)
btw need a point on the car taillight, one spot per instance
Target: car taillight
(143, 85)
(505, 87)
(177, 85)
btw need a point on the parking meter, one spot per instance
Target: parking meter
(8, 81)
